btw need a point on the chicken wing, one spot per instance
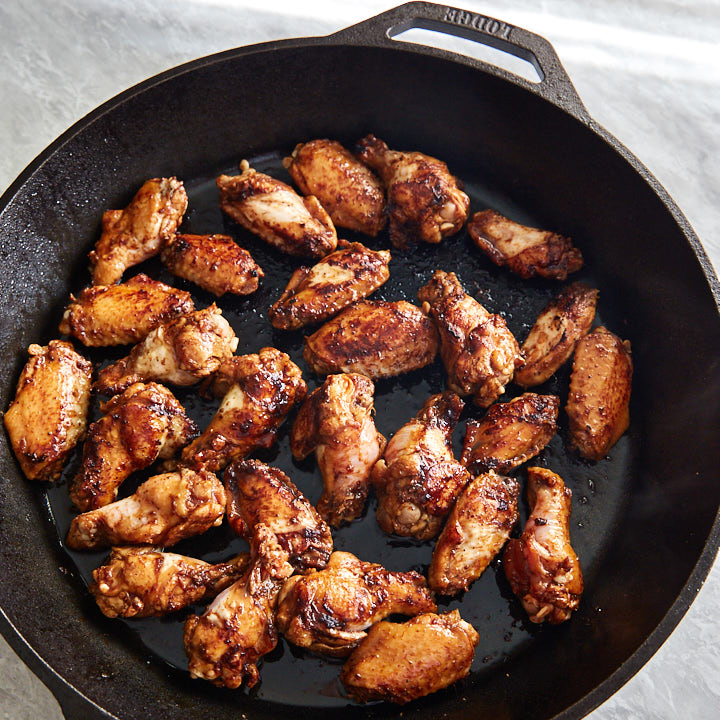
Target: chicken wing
(377, 339)
(476, 530)
(598, 405)
(182, 351)
(257, 392)
(274, 211)
(351, 193)
(225, 643)
(337, 422)
(478, 350)
(402, 662)
(510, 433)
(260, 494)
(541, 566)
(138, 232)
(556, 332)
(214, 262)
(144, 423)
(417, 480)
(328, 611)
(139, 582)
(525, 251)
(337, 281)
(164, 510)
(425, 202)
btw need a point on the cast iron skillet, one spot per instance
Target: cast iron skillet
(645, 520)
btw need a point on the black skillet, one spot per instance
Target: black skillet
(644, 519)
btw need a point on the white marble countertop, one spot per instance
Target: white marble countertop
(647, 70)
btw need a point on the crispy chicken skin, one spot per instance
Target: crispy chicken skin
(476, 530)
(598, 405)
(182, 351)
(225, 643)
(144, 423)
(216, 263)
(138, 232)
(425, 201)
(260, 494)
(257, 391)
(337, 281)
(273, 210)
(351, 193)
(337, 422)
(556, 332)
(417, 480)
(402, 662)
(478, 350)
(48, 416)
(377, 339)
(541, 566)
(123, 314)
(510, 433)
(139, 582)
(328, 611)
(164, 510)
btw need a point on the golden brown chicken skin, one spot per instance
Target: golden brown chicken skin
(272, 210)
(328, 611)
(165, 509)
(139, 582)
(525, 251)
(478, 350)
(476, 530)
(552, 339)
(260, 494)
(598, 405)
(215, 263)
(138, 232)
(541, 565)
(510, 433)
(315, 294)
(417, 480)
(225, 644)
(376, 339)
(400, 662)
(48, 416)
(144, 423)
(121, 314)
(425, 202)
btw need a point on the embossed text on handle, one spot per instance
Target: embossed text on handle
(479, 22)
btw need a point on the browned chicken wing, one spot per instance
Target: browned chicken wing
(138, 232)
(48, 416)
(478, 350)
(337, 422)
(525, 251)
(476, 530)
(351, 193)
(164, 510)
(377, 339)
(214, 262)
(598, 405)
(144, 423)
(274, 211)
(417, 480)
(328, 611)
(510, 433)
(556, 332)
(541, 566)
(260, 494)
(400, 662)
(425, 201)
(337, 281)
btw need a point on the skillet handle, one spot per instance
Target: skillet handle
(554, 84)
